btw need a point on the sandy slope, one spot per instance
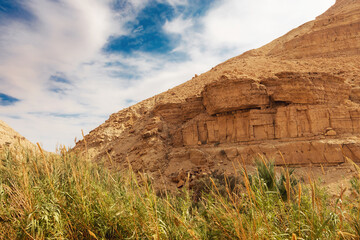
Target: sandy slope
(9, 137)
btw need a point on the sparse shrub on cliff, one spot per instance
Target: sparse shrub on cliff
(265, 174)
(355, 184)
(225, 184)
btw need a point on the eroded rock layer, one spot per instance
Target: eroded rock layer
(295, 100)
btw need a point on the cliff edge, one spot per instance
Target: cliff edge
(296, 98)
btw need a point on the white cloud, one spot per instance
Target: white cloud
(240, 25)
(64, 35)
(253, 23)
(176, 2)
(68, 37)
(179, 25)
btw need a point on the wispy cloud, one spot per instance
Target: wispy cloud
(73, 63)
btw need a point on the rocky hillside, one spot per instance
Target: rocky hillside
(10, 138)
(297, 98)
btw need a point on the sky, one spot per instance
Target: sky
(67, 65)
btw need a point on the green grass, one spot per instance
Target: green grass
(67, 197)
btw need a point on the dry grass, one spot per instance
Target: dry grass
(66, 197)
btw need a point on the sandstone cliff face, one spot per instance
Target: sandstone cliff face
(234, 94)
(294, 100)
(335, 33)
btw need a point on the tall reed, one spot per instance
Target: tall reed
(65, 196)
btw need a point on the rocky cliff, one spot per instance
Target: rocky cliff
(297, 98)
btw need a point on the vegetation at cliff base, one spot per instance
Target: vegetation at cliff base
(65, 196)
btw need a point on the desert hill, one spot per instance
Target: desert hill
(296, 98)
(10, 138)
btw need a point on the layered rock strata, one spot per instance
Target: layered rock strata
(295, 100)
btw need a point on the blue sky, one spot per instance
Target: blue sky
(66, 65)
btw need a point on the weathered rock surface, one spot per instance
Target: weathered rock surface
(295, 100)
(234, 94)
(307, 88)
(10, 138)
(335, 33)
